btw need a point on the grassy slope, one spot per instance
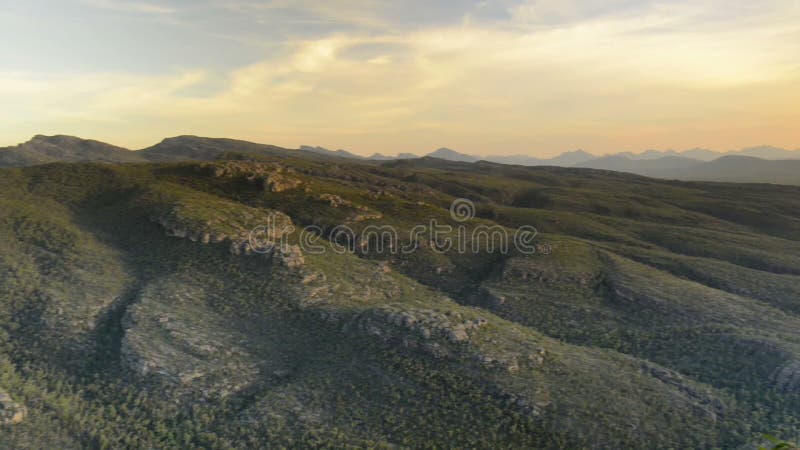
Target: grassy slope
(81, 245)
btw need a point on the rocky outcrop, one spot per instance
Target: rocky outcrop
(278, 182)
(360, 213)
(11, 412)
(335, 201)
(427, 324)
(440, 334)
(271, 176)
(290, 256)
(203, 233)
(172, 335)
(247, 233)
(533, 269)
(366, 216)
(706, 406)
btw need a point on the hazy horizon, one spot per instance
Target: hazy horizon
(488, 77)
(424, 152)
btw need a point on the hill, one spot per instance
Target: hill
(696, 164)
(768, 152)
(742, 169)
(194, 148)
(137, 310)
(51, 149)
(452, 155)
(581, 158)
(47, 149)
(745, 169)
(338, 153)
(641, 166)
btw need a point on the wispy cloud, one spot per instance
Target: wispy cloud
(550, 77)
(343, 12)
(131, 6)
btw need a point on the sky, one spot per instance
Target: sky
(533, 77)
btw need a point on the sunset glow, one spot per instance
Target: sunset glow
(483, 77)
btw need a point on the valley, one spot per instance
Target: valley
(135, 312)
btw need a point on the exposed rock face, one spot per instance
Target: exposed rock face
(183, 230)
(172, 335)
(384, 267)
(243, 247)
(531, 270)
(438, 334)
(360, 213)
(291, 256)
(277, 182)
(242, 232)
(366, 216)
(335, 200)
(11, 412)
(272, 176)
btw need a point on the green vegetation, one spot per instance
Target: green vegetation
(666, 315)
(779, 444)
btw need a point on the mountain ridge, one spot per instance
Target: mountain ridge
(692, 164)
(568, 158)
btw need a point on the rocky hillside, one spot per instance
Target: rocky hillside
(137, 310)
(752, 165)
(48, 149)
(53, 149)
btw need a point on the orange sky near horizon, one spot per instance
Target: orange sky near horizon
(486, 77)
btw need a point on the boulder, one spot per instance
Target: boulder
(334, 200)
(457, 335)
(291, 256)
(11, 412)
(277, 182)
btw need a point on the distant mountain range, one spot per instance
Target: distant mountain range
(764, 164)
(340, 153)
(732, 168)
(576, 157)
(51, 149)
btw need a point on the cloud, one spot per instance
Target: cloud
(342, 12)
(559, 77)
(131, 7)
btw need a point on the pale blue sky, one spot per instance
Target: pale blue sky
(503, 76)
